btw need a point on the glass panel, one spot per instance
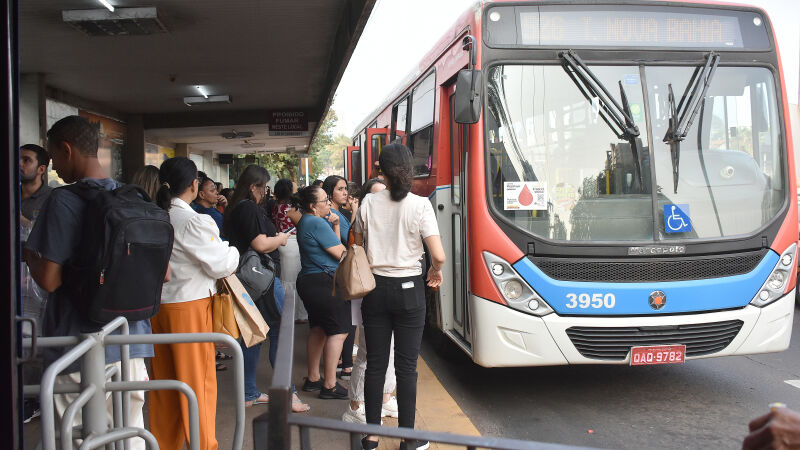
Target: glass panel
(456, 149)
(731, 172)
(458, 271)
(355, 166)
(422, 109)
(556, 168)
(400, 119)
(421, 149)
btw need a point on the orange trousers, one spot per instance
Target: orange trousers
(194, 364)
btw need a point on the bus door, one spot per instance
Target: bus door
(458, 147)
(354, 167)
(377, 138)
(349, 171)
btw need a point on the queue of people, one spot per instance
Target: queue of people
(305, 233)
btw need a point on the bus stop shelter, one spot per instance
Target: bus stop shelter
(198, 79)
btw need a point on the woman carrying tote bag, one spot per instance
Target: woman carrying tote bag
(394, 223)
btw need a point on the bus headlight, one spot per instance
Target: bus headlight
(775, 286)
(515, 290)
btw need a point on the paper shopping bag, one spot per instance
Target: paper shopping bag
(252, 327)
(222, 312)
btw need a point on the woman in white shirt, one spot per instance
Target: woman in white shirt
(199, 257)
(394, 223)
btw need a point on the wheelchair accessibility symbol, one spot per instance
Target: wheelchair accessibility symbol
(676, 219)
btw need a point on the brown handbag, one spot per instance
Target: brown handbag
(222, 312)
(353, 278)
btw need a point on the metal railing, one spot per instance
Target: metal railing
(272, 430)
(91, 400)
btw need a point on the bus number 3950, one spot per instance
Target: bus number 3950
(596, 300)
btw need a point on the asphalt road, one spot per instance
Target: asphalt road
(702, 404)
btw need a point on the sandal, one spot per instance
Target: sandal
(261, 400)
(223, 356)
(312, 386)
(298, 406)
(221, 367)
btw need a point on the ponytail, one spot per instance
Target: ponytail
(176, 175)
(305, 198)
(396, 165)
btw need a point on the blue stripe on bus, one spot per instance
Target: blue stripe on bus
(633, 298)
(440, 188)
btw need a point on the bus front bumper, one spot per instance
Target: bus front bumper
(503, 337)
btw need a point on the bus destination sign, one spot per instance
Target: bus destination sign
(624, 29)
(640, 26)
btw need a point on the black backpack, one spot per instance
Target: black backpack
(124, 251)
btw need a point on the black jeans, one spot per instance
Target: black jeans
(396, 305)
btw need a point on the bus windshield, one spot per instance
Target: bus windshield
(558, 170)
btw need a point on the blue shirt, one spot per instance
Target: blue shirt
(56, 235)
(314, 235)
(344, 225)
(213, 212)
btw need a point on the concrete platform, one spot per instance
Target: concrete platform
(436, 409)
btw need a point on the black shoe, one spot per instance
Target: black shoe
(337, 392)
(411, 445)
(312, 386)
(368, 445)
(344, 375)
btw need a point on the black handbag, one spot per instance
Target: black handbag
(256, 272)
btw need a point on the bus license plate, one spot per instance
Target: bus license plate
(658, 354)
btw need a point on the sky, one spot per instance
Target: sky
(400, 32)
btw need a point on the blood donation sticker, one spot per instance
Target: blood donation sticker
(524, 195)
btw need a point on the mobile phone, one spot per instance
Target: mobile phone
(290, 230)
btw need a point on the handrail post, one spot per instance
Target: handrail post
(279, 435)
(93, 374)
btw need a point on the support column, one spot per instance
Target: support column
(182, 150)
(133, 155)
(32, 113)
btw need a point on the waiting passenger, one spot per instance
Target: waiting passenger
(54, 241)
(285, 216)
(328, 315)
(147, 179)
(199, 258)
(355, 412)
(207, 200)
(246, 226)
(33, 162)
(394, 224)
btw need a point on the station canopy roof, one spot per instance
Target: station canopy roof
(145, 58)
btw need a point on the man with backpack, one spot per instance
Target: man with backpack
(63, 234)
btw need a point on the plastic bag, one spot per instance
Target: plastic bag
(34, 298)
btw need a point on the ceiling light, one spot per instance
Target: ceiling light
(202, 91)
(191, 101)
(121, 22)
(107, 5)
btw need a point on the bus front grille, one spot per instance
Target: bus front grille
(650, 269)
(614, 343)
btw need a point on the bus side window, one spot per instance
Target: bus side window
(421, 132)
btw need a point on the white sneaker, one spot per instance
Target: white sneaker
(355, 416)
(389, 408)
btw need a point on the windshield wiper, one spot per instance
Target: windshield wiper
(682, 117)
(618, 117)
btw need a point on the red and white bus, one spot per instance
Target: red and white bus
(614, 181)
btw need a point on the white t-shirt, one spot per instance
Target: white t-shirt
(393, 232)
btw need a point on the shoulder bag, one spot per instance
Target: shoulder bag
(353, 278)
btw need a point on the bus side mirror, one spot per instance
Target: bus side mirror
(468, 96)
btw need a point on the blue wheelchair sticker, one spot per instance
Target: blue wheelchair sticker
(676, 219)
